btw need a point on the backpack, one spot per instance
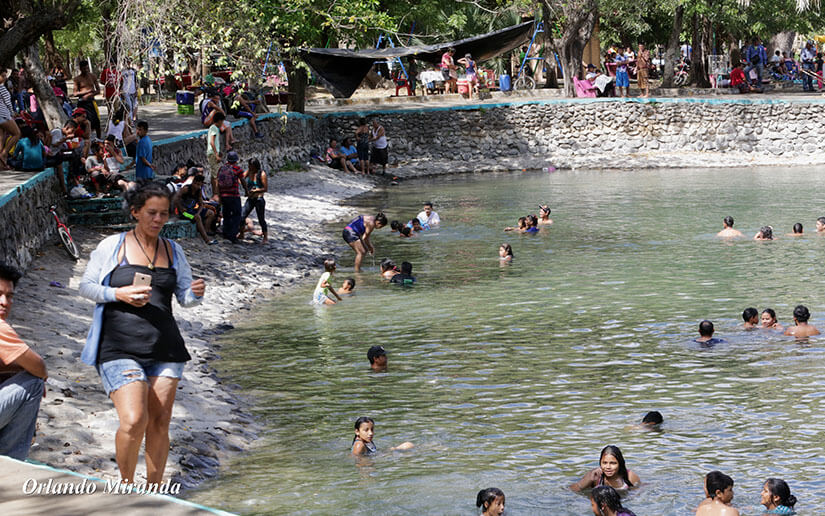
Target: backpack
(226, 177)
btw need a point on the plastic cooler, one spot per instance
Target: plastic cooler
(463, 87)
(504, 82)
(183, 97)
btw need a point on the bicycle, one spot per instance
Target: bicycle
(65, 235)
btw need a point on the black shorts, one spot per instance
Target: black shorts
(379, 156)
(336, 164)
(350, 236)
(363, 152)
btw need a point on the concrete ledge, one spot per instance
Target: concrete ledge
(20, 481)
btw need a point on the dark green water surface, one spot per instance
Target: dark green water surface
(517, 375)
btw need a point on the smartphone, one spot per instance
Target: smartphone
(142, 280)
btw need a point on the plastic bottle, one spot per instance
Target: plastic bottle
(549, 169)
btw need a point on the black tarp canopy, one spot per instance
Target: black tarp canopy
(342, 70)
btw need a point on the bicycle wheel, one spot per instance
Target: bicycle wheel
(680, 80)
(525, 83)
(68, 243)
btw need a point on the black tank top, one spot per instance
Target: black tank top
(144, 334)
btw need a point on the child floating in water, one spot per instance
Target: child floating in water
(532, 224)
(324, 287)
(605, 501)
(377, 356)
(612, 471)
(405, 232)
(490, 501)
(362, 442)
(388, 269)
(347, 287)
(505, 253)
(765, 233)
(406, 277)
(769, 321)
(522, 225)
(751, 317)
(415, 225)
(652, 419)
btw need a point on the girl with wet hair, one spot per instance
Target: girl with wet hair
(765, 233)
(768, 320)
(777, 497)
(612, 471)
(505, 252)
(605, 501)
(490, 501)
(388, 268)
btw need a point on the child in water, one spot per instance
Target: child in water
(612, 472)
(605, 501)
(405, 278)
(522, 225)
(719, 492)
(777, 497)
(490, 501)
(362, 442)
(769, 321)
(388, 269)
(347, 287)
(324, 287)
(505, 253)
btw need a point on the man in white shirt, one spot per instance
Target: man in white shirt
(428, 216)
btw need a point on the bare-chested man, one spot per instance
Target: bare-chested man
(727, 230)
(801, 314)
(85, 89)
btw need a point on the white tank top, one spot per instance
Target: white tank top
(380, 143)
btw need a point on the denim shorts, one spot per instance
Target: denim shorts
(117, 373)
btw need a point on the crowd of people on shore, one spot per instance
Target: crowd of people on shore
(369, 151)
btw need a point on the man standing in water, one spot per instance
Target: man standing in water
(801, 314)
(428, 216)
(727, 230)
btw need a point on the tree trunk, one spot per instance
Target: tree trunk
(672, 51)
(782, 42)
(46, 99)
(53, 58)
(298, 81)
(698, 70)
(581, 18)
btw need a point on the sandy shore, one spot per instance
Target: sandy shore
(77, 423)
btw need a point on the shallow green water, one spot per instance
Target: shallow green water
(516, 376)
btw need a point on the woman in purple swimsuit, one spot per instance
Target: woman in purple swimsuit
(357, 235)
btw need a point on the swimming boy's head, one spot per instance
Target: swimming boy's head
(406, 268)
(653, 418)
(377, 356)
(706, 328)
(767, 232)
(797, 228)
(349, 284)
(719, 486)
(364, 429)
(728, 221)
(329, 264)
(405, 231)
(750, 315)
(416, 224)
(801, 314)
(395, 225)
(491, 501)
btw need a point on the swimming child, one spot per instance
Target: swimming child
(765, 233)
(727, 229)
(605, 501)
(405, 278)
(544, 215)
(405, 232)
(797, 230)
(388, 269)
(364, 432)
(415, 225)
(801, 314)
(377, 356)
(532, 224)
(612, 472)
(324, 287)
(522, 225)
(505, 253)
(652, 419)
(719, 494)
(751, 317)
(706, 334)
(777, 497)
(395, 226)
(769, 320)
(347, 287)
(490, 501)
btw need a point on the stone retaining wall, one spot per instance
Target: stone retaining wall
(569, 127)
(25, 222)
(287, 138)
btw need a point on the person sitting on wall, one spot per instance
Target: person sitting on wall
(737, 79)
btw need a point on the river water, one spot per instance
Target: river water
(516, 375)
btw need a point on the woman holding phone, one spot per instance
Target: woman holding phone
(134, 342)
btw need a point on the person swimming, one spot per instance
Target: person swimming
(605, 501)
(652, 419)
(405, 278)
(405, 232)
(532, 224)
(777, 498)
(801, 314)
(751, 317)
(768, 320)
(706, 338)
(544, 215)
(522, 225)
(505, 253)
(612, 472)
(362, 442)
(377, 356)
(490, 501)
(347, 287)
(388, 269)
(765, 233)
(797, 230)
(727, 229)
(718, 496)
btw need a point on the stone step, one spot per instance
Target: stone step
(97, 219)
(96, 205)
